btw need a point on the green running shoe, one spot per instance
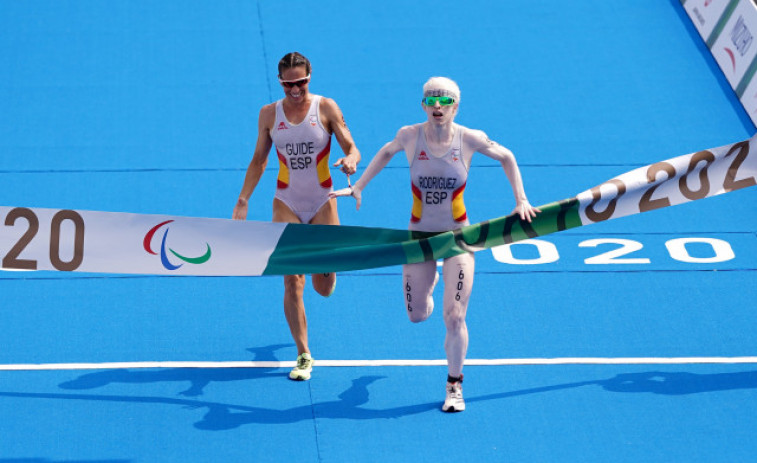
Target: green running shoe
(301, 371)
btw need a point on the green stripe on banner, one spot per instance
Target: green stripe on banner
(554, 217)
(328, 248)
(748, 75)
(718, 29)
(324, 248)
(115, 242)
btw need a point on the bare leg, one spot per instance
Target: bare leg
(418, 281)
(294, 310)
(458, 283)
(294, 285)
(324, 283)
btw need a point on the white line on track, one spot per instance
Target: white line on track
(383, 363)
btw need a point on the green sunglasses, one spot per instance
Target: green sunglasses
(443, 100)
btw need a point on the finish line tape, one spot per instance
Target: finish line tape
(124, 243)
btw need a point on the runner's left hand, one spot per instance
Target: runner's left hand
(349, 191)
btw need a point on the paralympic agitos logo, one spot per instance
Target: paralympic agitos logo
(147, 243)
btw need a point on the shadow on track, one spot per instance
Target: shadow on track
(350, 406)
(198, 378)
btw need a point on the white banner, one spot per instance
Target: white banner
(705, 14)
(675, 181)
(734, 50)
(50, 239)
(728, 28)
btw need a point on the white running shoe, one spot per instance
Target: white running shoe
(454, 401)
(301, 371)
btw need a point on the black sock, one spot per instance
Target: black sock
(452, 379)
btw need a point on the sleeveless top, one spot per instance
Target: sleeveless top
(438, 184)
(304, 180)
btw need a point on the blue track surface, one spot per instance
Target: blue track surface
(151, 107)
